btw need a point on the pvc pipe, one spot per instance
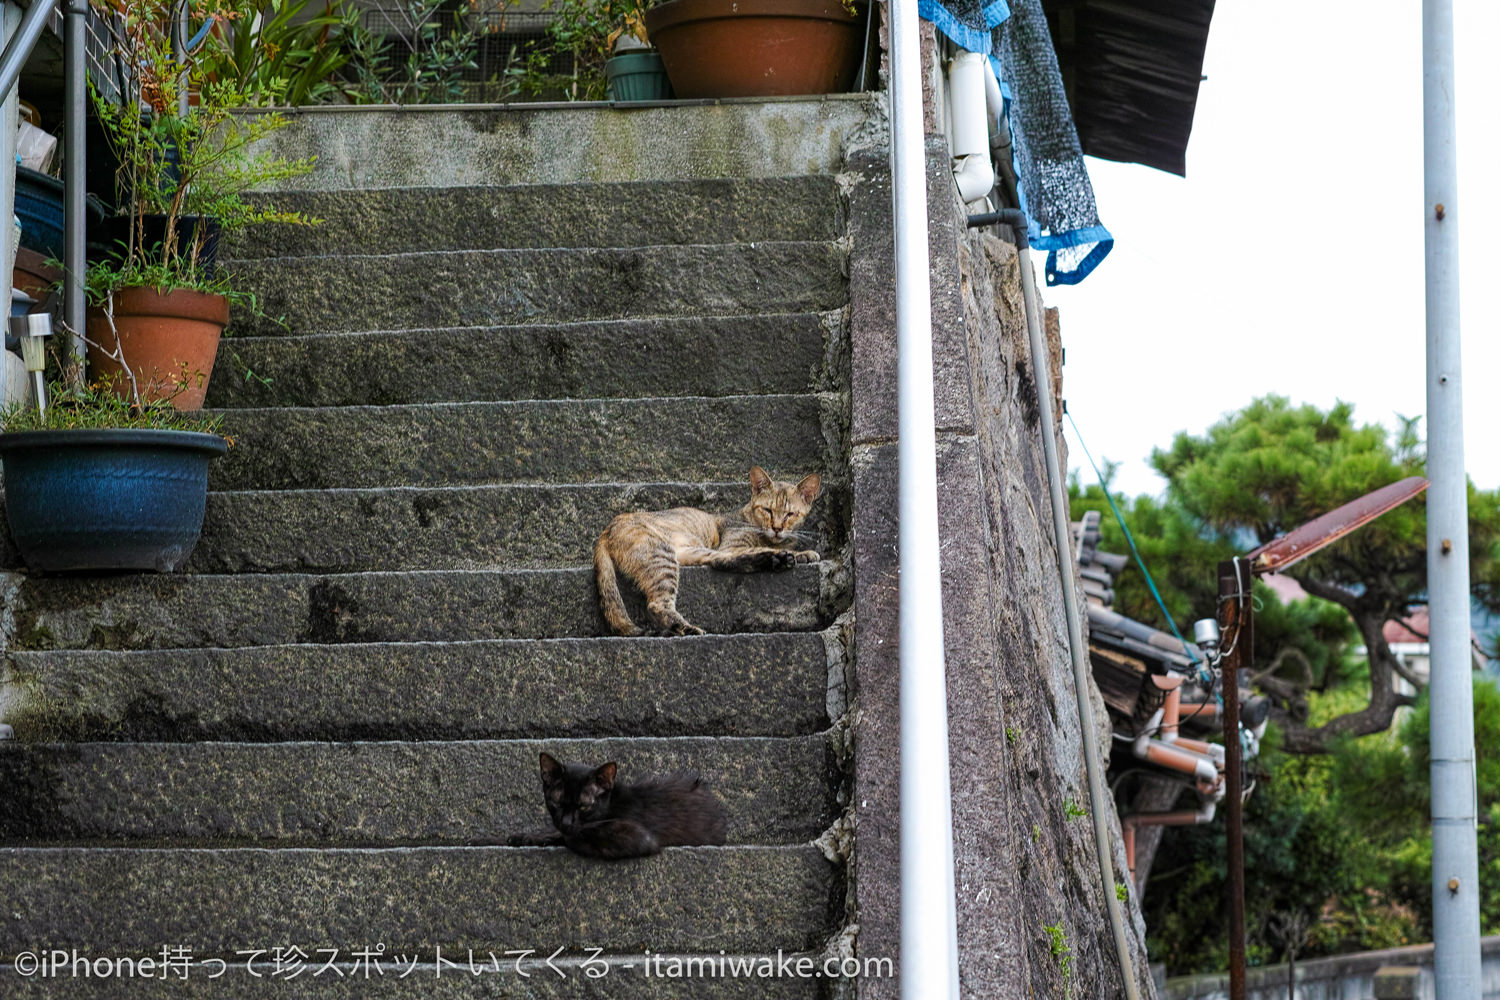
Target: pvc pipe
(1152, 725)
(1062, 537)
(1170, 710)
(969, 139)
(1182, 817)
(1213, 751)
(1177, 758)
(994, 104)
(929, 925)
(975, 177)
(1455, 868)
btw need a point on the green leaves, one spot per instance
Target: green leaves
(1260, 472)
(281, 53)
(180, 163)
(1337, 834)
(73, 406)
(419, 61)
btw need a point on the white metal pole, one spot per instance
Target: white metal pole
(1455, 868)
(929, 936)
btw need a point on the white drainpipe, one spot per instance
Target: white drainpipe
(969, 118)
(929, 931)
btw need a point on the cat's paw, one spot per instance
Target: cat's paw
(534, 840)
(782, 560)
(806, 556)
(686, 628)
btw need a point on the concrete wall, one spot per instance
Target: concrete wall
(1341, 977)
(1023, 863)
(449, 145)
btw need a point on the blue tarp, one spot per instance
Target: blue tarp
(1054, 184)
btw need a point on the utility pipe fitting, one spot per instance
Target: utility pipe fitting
(1160, 742)
(1164, 754)
(1182, 817)
(969, 125)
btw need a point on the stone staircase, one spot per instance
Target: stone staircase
(321, 735)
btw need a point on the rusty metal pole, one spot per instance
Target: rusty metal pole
(1237, 626)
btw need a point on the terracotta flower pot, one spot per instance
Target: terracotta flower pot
(169, 340)
(757, 48)
(32, 275)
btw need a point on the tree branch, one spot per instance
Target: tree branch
(1344, 598)
(1378, 714)
(1375, 718)
(1406, 673)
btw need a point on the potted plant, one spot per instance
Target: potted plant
(635, 72)
(157, 303)
(603, 44)
(758, 48)
(97, 482)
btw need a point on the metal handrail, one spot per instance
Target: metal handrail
(22, 43)
(75, 187)
(75, 97)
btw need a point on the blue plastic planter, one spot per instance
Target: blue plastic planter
(107, 499)
(39, 203)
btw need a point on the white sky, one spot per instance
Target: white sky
(1290, 258)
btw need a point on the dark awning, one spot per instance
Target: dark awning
(1131, 70)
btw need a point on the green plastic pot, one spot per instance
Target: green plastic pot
(637, 76)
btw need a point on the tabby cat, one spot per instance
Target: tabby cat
(650, 546)
(599, 818)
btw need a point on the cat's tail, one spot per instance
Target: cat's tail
(610, 601)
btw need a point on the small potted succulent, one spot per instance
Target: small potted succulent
(157, 305)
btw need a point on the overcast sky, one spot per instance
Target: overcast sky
(1290, 258)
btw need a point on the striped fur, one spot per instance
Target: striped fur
(649, 547)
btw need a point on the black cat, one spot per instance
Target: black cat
(599, 818)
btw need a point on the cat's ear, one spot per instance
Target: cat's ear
(760, 481)
(809, 487)
(551, 769)
(604, 775)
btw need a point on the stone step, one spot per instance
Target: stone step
(548, 441)
(683, 356)
(447, 146)
(376, 975)
(346, 294)
(772, 684)
(645, 213)
(152, 611)
(775, 790)
(472, 527)
(414, 901)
